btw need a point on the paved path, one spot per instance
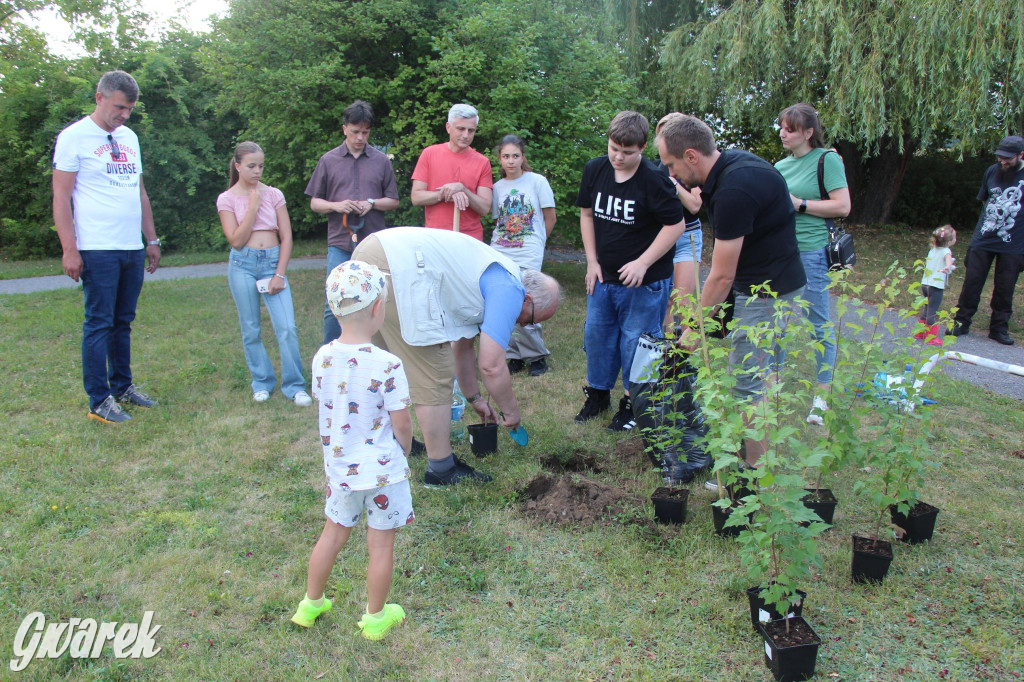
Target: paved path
(30, 285)
(976, 343)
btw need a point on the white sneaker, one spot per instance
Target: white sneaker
(302, 399)
(261, 396)
(817, 407)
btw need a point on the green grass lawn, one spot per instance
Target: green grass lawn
(205, 509)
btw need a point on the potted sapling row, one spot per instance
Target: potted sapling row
(778, 543)
(896, 426)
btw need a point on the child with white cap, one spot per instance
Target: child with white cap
(366, 432)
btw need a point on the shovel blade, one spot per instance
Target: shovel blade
(519, 435)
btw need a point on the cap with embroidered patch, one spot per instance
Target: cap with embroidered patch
(352, 286)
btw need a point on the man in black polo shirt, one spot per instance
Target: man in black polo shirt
(755, 241)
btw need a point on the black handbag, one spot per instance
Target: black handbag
(840, 252)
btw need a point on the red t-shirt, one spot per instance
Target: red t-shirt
(438, 166)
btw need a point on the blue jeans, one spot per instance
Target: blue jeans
(819, 311)
(335, 257)
(244, 268)
(111, 281)
(616, 317)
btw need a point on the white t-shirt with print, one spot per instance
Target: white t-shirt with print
(106, 199)
(518, 207)
(357, 386)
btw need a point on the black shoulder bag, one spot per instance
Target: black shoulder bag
(840, 252)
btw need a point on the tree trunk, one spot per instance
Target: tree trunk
(875, 181)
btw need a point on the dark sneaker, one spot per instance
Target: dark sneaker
(623, 419)
(460, 472)
(538, 367)
(597, 402)
(109, 412)
(1000, 336)
(959, 328)
(515, 366)
(133, 396)
(417, 448)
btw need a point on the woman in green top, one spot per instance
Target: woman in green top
(800, 130)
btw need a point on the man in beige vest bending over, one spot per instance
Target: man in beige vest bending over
(444, 289)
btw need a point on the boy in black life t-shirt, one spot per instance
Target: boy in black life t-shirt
(630, 220)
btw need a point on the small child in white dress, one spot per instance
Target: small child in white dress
(936, 275)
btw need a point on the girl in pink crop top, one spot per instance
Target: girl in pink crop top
(255, 222)
(253, 214)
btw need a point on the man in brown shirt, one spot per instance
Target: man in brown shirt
(353, 185)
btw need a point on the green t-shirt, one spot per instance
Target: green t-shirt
(801, 176)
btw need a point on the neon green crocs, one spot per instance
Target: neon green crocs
(376, 627)
(307, 613)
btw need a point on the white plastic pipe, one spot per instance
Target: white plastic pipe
(969, 359)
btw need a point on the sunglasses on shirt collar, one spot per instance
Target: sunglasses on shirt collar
(115, 151)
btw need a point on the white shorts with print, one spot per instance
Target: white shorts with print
(387, 507)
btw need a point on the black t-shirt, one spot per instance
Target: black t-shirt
(629, 215)
(746, 197)
(1001, 224)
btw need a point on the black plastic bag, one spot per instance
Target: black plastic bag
(667, 415)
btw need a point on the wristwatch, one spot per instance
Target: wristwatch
(371, 202)
(475, 397)
(153, 242)
(803, 206)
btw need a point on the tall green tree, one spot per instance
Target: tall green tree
(889, 78)
(643, 27)
(547, 70)
(186, 145)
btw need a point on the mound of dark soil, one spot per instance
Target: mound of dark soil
(572, 499)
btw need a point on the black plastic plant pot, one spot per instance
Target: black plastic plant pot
(763, 613)
(871, 559)
(822, 502)
(719, 516)
(483, 438)
(918, 523)
(670, 505)
(790, 653)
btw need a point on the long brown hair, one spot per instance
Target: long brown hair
(515, 141)
(241, 150)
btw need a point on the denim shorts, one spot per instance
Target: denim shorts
(684, 253)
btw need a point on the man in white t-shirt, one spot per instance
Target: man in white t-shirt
(101, 211)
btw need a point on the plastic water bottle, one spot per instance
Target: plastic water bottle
(458, 428)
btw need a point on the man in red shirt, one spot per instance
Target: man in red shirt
(452, 176)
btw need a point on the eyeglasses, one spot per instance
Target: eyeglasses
(115, 151)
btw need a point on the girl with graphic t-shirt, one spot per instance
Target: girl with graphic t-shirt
(255, 221)
(933, 284)
(524, 207)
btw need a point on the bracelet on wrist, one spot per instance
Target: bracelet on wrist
(475, 397)
(278, 274)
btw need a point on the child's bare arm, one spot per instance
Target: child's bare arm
(401, 424)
